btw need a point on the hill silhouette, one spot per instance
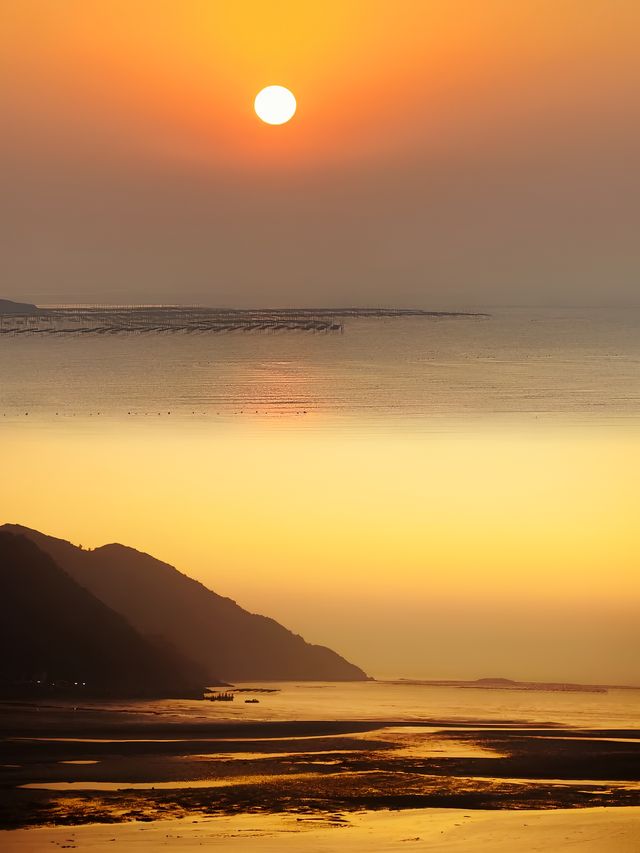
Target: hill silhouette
(227, 641)
(57, 636)
(9, 307)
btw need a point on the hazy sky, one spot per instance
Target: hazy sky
(509, 552)
(444, 153)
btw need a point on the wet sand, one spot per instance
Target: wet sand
(83, 767)
(604, 830)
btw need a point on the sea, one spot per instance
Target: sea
(570, 365)
(386, 702)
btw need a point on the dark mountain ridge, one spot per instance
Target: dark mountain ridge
(56, 637)
(227, 641)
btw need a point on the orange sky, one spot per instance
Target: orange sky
(450, 153)
(370, 76)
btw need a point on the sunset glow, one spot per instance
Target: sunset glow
(320, 425)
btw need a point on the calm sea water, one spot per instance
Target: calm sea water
(576, 364)
(399, 702)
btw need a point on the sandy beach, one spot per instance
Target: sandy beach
(600, 830)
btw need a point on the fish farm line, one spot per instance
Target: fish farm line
(145, 319)
(157, 320)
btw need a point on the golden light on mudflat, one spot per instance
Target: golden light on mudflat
(275, 105)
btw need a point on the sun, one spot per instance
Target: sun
(275, 105)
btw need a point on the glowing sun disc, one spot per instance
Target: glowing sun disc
(275, 105)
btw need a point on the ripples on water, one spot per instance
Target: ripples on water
(544, 364)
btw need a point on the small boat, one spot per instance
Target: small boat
(251, 701)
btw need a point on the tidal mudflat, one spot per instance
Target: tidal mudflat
(72, 767)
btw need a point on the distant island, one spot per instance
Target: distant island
(9, 307)
(200, 633)
(507, 684)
